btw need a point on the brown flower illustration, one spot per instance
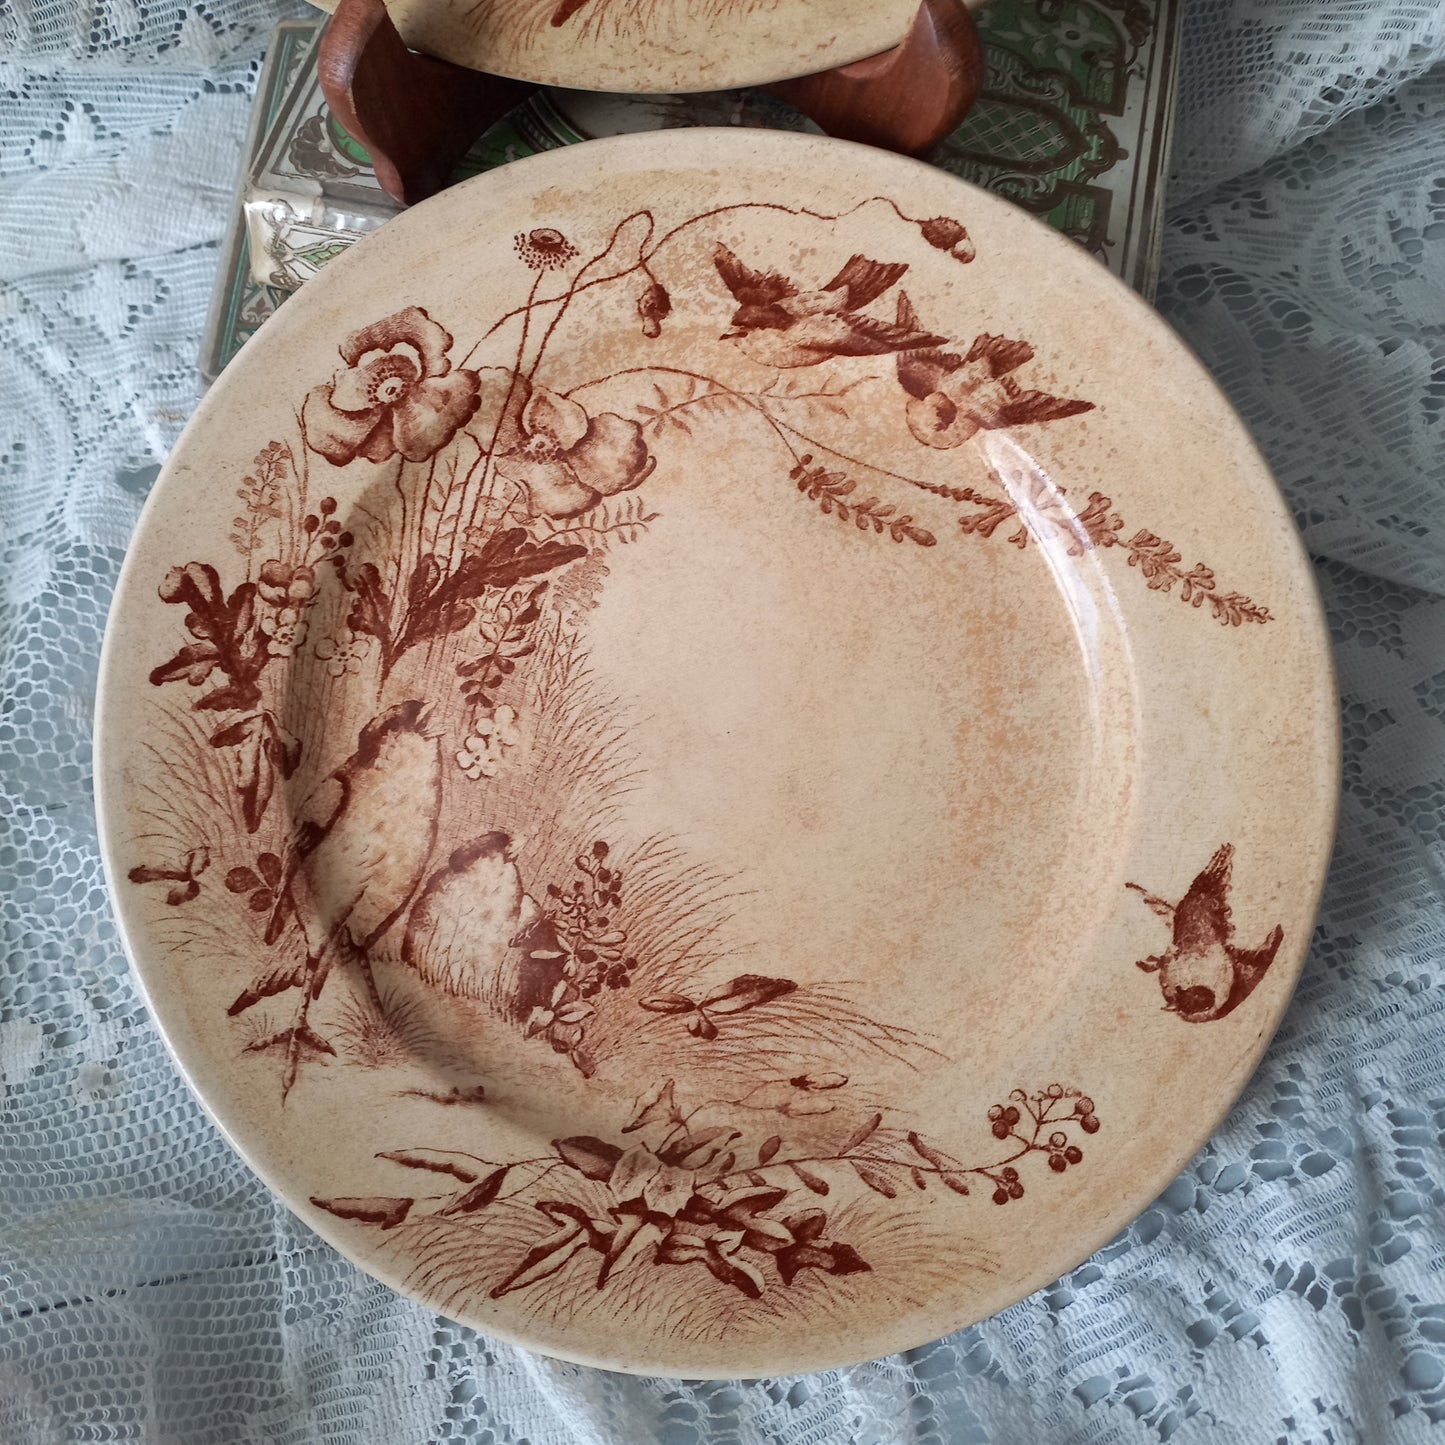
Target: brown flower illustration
(285, 631)
(544, 249)
(639, 1174)
(285, 586)
(494, 733)
(345, 652)
(654, 306)
(397, 393)
(943, 233)
(567, 460)
(677, 1205)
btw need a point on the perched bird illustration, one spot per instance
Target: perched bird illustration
(954, 397)
(1202, 975)
(473, 930)
(356, 856)
(779, 325)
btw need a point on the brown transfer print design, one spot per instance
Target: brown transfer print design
(183, 879)
(378, 722)
(716, 1190)
(585, 19)
(777, 324)
(565, 10)
(1042, 509)
(953, 397)
(1203, 975)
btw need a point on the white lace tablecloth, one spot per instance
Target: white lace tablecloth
(1289, 1286)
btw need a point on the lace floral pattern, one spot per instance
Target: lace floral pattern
(1285, 1287)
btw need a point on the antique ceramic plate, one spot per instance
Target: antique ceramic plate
(651, 46)
(716, 753)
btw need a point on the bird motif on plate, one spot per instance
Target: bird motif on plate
(357, 854)
(1203, 974)
(780, 324)
(952, 397)
(474, 932)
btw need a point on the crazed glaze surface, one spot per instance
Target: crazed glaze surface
(651, 45)
(648, 725)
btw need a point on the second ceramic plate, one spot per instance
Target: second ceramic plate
(716, 753)
(651, 45)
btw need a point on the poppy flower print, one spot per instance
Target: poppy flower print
(544, 249)
(397, 394)
(566, 461)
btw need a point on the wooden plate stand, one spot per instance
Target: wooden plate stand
(418, 116)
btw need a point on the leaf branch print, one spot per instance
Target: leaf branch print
(716, 397)
(994, 512)
(506, 629)
(184, 879)
(260, 495)
(266, 752)
(226, 637)
(680, 1194)
(891, 1160)
(624, 522)
(1099, 526)
(738, 995)
(438, 603)
(834, 492)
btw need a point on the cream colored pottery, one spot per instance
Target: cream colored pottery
(651, 46)
(716, 753)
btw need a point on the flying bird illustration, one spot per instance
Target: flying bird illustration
(777, 324)
(953, 397)
(357, 853)
(473, 931)
(1202, 975)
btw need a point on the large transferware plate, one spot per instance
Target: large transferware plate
(716, 753)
